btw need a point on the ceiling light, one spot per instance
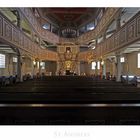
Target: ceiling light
(93, 47)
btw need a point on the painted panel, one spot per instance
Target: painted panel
(131, 30)
(138, 26)
(1, 28)
(15, 36)
(116, 40)
(21, 40)
(7, 31)
(122, 36)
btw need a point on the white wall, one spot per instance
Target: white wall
(10, 67)
(26, 65)
(130, 65)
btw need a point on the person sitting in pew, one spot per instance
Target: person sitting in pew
(114, 78)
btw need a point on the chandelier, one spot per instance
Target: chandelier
(69, 32)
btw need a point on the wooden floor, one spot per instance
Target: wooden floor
(70, 100)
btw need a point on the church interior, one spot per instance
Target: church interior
(70, 66)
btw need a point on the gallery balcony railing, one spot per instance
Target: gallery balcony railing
(126, 35)
(105, 20)
(44, 34)
(14, 36)
(67, 40)
(51, 37)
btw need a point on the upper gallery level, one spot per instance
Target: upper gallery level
(69, 22)
(124, 39)
(77, 25)
(16, 31)
(54, 25)
(87, 27)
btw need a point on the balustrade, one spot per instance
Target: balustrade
(68, 40)
(44, 34)
(126, 35)
(12, 35)
(105, 20)
(51, 37)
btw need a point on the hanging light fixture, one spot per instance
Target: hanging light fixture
(68, 32)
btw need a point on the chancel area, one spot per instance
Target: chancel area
(70, 66)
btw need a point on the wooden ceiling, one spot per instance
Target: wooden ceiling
(71, 16)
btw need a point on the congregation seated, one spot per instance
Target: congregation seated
(42, 75)
(8, 80)
(114, 78)
(129, 79)
(83, 74)
(26, 77)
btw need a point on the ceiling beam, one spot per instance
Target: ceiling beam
(67, 11)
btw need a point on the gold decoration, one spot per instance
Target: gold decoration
(89, 57)
(68, 65)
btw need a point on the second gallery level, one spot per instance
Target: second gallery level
(46, 28)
